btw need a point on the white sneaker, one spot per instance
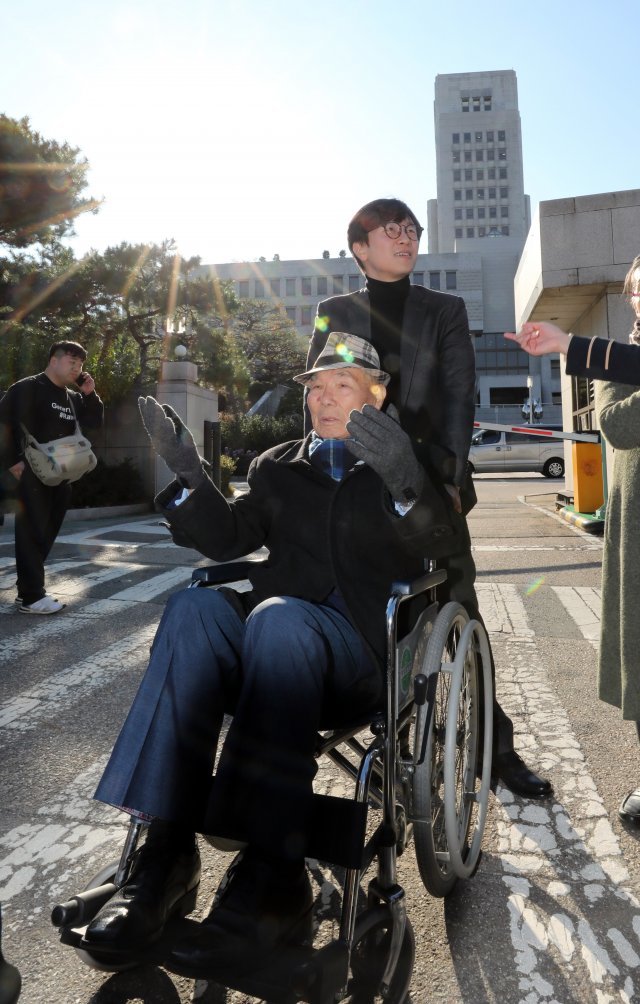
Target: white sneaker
(47, 605)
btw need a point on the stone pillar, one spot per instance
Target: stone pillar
(194, 404)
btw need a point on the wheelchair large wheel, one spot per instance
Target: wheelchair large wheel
(106, 875)
(465, 797)
(371, 944)
(446, 813)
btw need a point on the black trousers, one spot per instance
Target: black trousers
(460, 586)
(39, 516)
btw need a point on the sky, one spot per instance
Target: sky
(242, 128)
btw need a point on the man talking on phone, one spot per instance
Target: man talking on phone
(45, 407)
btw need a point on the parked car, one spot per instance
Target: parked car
(492, 451)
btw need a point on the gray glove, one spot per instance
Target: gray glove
(378, 439)
(172, 441)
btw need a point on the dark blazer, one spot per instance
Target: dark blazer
(321, 534)
(437, 370)
(601, 359)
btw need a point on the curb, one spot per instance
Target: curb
(588, 522)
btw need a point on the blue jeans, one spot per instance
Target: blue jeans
(291, 668)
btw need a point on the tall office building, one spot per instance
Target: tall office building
(480, 186)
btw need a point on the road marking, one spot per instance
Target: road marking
(7, 581)
(502, 610)
(561, 858)
(583, 603)
(592, 543)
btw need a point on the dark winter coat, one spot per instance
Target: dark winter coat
(321, 534)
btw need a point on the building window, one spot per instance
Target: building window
(490, 137)
(481, 213)
(418, 278)
(457, 214)
(455, 137)
(467, 156)
(465, 104)
(478, 137)
(322, 285)
(457, 175)
(493, 212)
(259, 290)
(457, 195)
(290, 287)
(243, 289)
(458, 234)
(451, 281)
(467, 137)
(491, 154)
(491, 174)
(502, 138)
(469, 212)
(480, 193)
(305, 316)
(480, 174)
(468, 194)
(486, 101)
(504, 211)
(504, 193)
(355, 282)
(291, 313)
(274, 285)
(492, 193)
(468, 174)
(479, 154)
(505, 231)
(502, 172)
(337, 285)
(502, 154)
(482, 231)
(434, 277)
(456, 157)
(476, 104)
(470, 233)
(306, 286)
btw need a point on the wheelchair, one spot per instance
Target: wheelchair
(421, 772)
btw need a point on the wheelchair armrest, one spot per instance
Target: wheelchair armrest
(416, 586)
(227, 571)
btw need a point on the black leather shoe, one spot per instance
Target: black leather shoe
(163, 881)
(629, 809)
(258, 909)
(511, 770)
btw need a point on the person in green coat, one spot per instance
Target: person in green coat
(618, 411)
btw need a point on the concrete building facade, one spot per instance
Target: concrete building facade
(576, 256)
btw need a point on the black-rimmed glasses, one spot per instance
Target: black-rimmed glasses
(394, 230)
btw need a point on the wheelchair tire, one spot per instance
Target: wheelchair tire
(465, 797)
(428, 788)
(369, 955)
(106, 875)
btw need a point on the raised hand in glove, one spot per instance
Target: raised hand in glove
(172, 441)
(378, 439)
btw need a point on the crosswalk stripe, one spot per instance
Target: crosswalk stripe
(53, 571)
(583, 604)
(502, 610)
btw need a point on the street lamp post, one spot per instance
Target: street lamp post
(530, 387)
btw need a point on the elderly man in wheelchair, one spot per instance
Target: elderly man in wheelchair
(345, 514)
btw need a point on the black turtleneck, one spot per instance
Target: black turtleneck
(387, 301)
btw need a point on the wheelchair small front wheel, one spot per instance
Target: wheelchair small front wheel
(107, 874)
(371, 944)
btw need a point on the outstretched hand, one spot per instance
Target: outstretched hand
(172, 440)
(539, 338)
(378, 439)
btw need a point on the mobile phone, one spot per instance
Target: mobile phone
(80, 379)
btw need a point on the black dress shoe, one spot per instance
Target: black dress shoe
(163, 881)
(259, 908)
(511, 770)
(629, 809)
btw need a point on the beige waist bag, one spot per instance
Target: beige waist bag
(65, 459)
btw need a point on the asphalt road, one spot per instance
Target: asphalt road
(553, 914)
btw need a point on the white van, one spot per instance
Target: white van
(492, 452)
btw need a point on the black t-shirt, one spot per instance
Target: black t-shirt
(386, 306)
(45, 411)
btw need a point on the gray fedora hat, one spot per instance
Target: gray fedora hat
(343, 351)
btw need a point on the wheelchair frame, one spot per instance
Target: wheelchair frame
(321, 976)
